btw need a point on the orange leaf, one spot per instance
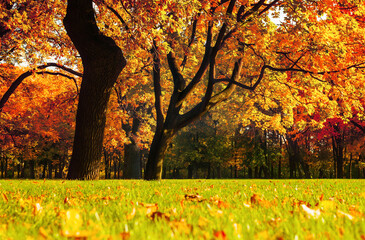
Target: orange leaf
(220, 235)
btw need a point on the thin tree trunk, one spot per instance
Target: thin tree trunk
(50, 169)
(44, 168)
(102, 60)
(2, 168)
(6, 167)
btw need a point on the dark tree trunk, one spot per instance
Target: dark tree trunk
(338, 148)
(209, 172)
(164, 172)
(349, 174)
(176, 173)
(249, 172)
(260, 172)
(256, 172)
(167, 126)
(279, 168)
(190, 171)
(132, 152)
(44, 168)
(102, 60)
(358, 167)
(296, 159)
(2, 168)
(6, 167)
(158, 149)
(115, 168)
(19, 168)
(50, 169)
(132, 158)
(219, 172)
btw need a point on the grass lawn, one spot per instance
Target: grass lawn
(182, 209)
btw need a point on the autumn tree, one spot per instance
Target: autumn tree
(102, 61)
(37, 125)
(241, 32)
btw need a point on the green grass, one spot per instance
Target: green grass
(182, 209)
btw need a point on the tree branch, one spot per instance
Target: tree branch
(210, 53)
(28, 73)
(117, 15)
(63, 75)
(192, 37)
(268, 6)
(203, 66)
(157, 85)
(179, 81)
(254, 9)
(203, 106)
(289, 69)
(358, 126)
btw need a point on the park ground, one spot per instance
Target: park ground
(182, 209)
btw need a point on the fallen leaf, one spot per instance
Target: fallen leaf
(160, 215)
(37, 209)
(5, 197)
(343, 214)
(131, 215)
(311, 212)
(43, 232)
(125, 235)
(150, 208)
(194, 197)
(220, 235)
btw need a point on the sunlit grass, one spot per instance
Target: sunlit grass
(182, 209)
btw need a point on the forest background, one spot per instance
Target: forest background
(210, 89)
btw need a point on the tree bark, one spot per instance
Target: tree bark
(132, 152)
(102, 60)
(132, 158)
(159, 145)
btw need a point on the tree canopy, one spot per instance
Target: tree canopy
(288, 67)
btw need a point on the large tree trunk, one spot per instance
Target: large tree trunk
(102, 60)
(159, 145)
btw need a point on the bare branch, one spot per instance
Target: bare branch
(157, 85)
(268, 6)
(117, 15)
(61, 67)
(289, 69)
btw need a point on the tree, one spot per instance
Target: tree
(37, 124)
(241, 33)
(102, 60)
